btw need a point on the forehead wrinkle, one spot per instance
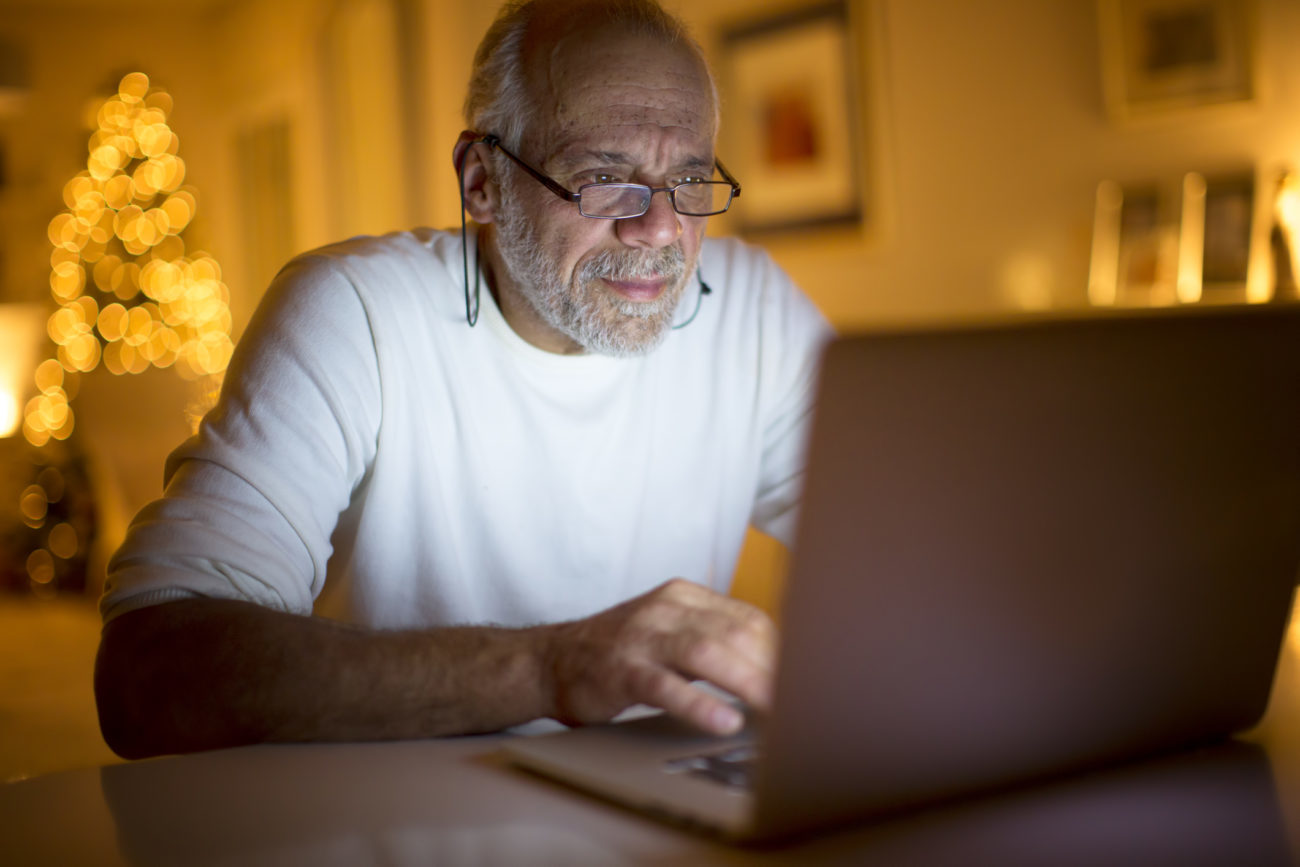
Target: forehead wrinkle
(619, 119)
(682, 95)
(664, 144)
(664, 99)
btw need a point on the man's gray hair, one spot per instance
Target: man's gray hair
(499, 101)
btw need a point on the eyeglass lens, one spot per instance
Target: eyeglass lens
(631, 200)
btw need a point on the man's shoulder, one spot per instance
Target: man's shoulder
(397, 278)
(756, 299)
(734, 251)
(420, 246)
(727, 262)
(395, 268)
(748, 276)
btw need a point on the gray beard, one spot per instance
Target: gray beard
(595, 318)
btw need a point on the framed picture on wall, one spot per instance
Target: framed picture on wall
(1229, 225)
(1164, 242)
(1135, 246)
(1159, 55)
(1148, 248)
(791, 118)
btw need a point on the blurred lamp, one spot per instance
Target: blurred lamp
(1286, 208)
(22, 336)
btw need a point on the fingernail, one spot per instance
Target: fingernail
(726, 719)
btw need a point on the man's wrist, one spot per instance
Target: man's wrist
(544, 647)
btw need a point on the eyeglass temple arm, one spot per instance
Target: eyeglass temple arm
(727, 176)
(494, 142)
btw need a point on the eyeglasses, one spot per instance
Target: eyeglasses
(618, 201)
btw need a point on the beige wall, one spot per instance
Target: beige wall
(991, 137)
(986, 135)
(985, 121)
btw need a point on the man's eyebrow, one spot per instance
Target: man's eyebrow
(589, 158)
(697, 164)
(585, 158)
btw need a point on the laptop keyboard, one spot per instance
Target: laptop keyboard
(733, 768)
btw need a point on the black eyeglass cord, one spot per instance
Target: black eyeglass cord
(471, 309)
(472, 299)
(699, 300)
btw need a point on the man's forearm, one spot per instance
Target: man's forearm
(204, 673)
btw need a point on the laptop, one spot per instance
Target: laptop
(1025, 549)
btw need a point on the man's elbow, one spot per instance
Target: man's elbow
(130, 680)
(122, 721)
(163, 683)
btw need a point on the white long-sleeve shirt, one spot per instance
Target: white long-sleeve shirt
(374, 459)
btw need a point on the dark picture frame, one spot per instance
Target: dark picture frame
(1229, 231)
(790, 102)
(1162, 55)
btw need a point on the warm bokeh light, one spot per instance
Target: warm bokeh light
(9, 414)
(33, 504)
(1103, 269)
(40, 566)
(63, 541)
(1191, 240)
(21, 342)
(1286, 209)
(128, 294)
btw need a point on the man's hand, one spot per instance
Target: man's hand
(649, 649)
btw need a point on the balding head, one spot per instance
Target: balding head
(587, 92)
(515, 81)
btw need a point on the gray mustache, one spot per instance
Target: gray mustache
(668, 262)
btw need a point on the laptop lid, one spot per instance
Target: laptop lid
(1031, 548)
(1024, 549)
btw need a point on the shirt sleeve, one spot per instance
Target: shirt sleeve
(250, 502)
(793, 335)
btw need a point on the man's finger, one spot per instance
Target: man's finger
(679, 698)
(741, 671)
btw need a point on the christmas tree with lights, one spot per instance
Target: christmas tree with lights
(130, 295)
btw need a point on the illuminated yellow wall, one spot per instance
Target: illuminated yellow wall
(986, 137)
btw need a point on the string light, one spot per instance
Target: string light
(129, 294)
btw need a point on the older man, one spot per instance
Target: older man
(421, 508)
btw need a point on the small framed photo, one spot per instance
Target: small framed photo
(1134, 261)
(1229, 232)
(791, 119)
(1148, 248)
(1159, 55)
(1144, 248)
(1169, 242)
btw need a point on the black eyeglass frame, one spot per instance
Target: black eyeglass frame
(554, 186)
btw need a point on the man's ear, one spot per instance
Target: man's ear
(478, 183)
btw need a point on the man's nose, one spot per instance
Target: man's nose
(657, 227)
